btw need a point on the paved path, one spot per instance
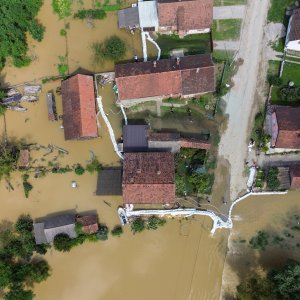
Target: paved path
(229, 12)
(226, 45)
(240, 101)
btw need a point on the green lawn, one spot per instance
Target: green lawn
(222, 55)
(277, 10)
(228, 29)
(229, 2)
(192, 44)
(291, 72)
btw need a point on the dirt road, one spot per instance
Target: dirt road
(243, 97)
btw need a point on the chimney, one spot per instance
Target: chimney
(197, 70)
(154, 64)
(138, 171)
(158, 172)
(177, 61)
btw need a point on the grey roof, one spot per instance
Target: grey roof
(135, 138)
(128, 17)
(109, 182)
(60, 220)
(44, 232)
(148, 14)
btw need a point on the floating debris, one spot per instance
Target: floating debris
(12, 99)
(29, 98)
(16, 108)
(51, 147)
(32, 89)
(11, 92)
(51, 107)
(74, 184)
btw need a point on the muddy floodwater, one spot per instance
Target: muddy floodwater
(179, 261)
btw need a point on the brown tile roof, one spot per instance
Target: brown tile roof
(185, 15)
(149, 178)
(193, 74)
(294, 33)
(79, 111)
(295, 176)
(288, 127)
(89, 223)
(194, 143)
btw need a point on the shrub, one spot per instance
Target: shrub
(94, 166)
(79, 170)
(42, 248)
(154, 222)
(260, 241)
(112, 48)
(26, 185)
(63, 32)
(117, 231)
(63, 8)
(62, 242)
(138, 225)
(24, 224)
(98, 14)
(102, 234)
(274, 80)
(40, 271)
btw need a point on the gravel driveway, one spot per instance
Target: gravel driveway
(248, 87)
(229, 12)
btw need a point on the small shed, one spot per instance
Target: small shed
(128, 18)
(295, 177)
(89, 223)
(148, 18)
(135, 138)
(109, 182)
(24, 158)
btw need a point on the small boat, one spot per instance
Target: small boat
(122, 216)
(16, 108)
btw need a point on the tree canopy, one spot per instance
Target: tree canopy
(16, 18)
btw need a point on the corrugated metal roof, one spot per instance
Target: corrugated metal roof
(148, 14)
(109, 182)
(60, 220)
(128, 17)
(135, 138)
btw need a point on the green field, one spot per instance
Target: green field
(192, 44)
(277, 10)
(228, 29)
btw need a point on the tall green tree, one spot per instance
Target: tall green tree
(17, 17)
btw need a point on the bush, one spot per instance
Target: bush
(94, 166)
(24, 224)
(63, 8)
(274, 80)
(40, 271)
(42, 248)
(63, 32)
(62, 242)
(272, 180)
(26, 185)
(202, 183)
(138, 225)
(17, 292)
(117, 231)
(98, 14)
(102, 234)
(112, 48)
(79, 170)
(260, 241)
(154, 222)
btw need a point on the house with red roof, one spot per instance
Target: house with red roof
(185, 16)
(148, 178)
(79, 108)
(285, 127)
(181, 77)
(295, 177)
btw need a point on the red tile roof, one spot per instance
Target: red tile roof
(294, 33)
(295, 176)
(192, 74)
(24, 158)
(89, 223)
(185, 15)
(79, 111)
(288, 127)
(149, 178)
(194, 143)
